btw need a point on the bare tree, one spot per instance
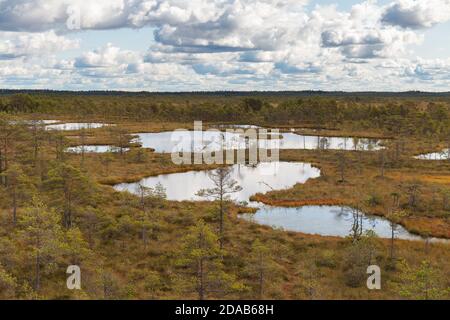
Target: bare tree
(148, 197)
(83, 145)
(19, 188)
(448, 144)
(7, 132)
(446, 200)
(395, 216)
(397, 151)
(413, 191)
(224, 186)
(395, 199)
(121, 138)
(357, 224)
(60, 146)
(382, 162)
(342, 165)
(37, 131)
(143, 193)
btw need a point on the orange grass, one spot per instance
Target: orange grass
(297, 203)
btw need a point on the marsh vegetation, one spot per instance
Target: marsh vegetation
(81, 188)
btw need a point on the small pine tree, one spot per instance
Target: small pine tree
(69, 188)
(19, 188)
(261, 269)
(224, 186)
(8, 284)
(202, 262)
(422, 283)
(359, 256)
(42, 237)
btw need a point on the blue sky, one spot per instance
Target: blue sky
(388, 45)
(130, 39)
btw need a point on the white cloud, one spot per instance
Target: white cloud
(417, 14)
(107, 56)
(224, 44)
(21, 44)
(359, 34)
(39, 15)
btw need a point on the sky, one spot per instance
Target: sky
(206, 45)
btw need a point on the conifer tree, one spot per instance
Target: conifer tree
(202, 260)
(42, 237)
(19, 188)
(224, 186)
(261, 269)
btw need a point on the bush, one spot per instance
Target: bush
(355, 276)
(138, 155)
(374, 200)
(327, 260)
(360, 255)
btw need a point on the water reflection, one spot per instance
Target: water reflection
(320, 220)
(261, 178)
(443, 155)
(324, 221)
(236, 126)
(76, 126)
(296, 141)
(189, 141)
(33, 122)
(95, 149)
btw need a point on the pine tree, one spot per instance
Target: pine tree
(76, 247)
(395, 217)
(42, 236)
(202, 260)
(261, 269)
(77, 252)
(422, 283)
(19, 188)
(224, 186)
(8, 131)
(69, 188)
(359, 256)
(149, 198)
(8, 285)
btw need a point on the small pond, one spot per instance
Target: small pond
(265, 177)
(76, 126)
(32, 122)
(444, 155)
(253, 179)
(46, 122)
(183, 140)
(322, 220)
(95, 149)
(296, 141)
(236, 126)
(188, 141)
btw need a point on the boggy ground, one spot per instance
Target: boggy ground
(301, 266)
(366, 186)
(371, 179)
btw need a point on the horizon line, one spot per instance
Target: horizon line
(3, 90)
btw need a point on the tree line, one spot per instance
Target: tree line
(402, 116)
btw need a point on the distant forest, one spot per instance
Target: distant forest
(306, 93)
(397, 114)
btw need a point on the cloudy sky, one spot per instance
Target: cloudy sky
(192, 45)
